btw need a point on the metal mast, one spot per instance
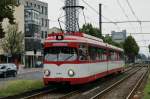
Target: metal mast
(72, 15)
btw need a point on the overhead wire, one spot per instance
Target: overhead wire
(92, 8)
(143, 41)
(131, 21)
(122, 9)
(124, 12)
(133, 12)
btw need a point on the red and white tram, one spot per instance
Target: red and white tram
(78, 58)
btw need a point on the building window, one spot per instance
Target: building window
(17, 1)
(42, 9)
(42, 22)
(27, 4)
(45, 34)
(38, 6)
(46, 23)
(42, 36)
(46, 11)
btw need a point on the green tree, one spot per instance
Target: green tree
(7, 11)
(89, 29)
(13, 41)
(108, 39)
(131, 48)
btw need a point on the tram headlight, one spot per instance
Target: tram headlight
(71, 73)
(59, 37)
(46, 72)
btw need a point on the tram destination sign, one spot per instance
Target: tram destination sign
(59, 44)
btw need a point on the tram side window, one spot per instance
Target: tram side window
(121, 56)
(113, 55)
(116, 56)
(83, 53)
(97, 54)
(102, 54)
(92, 53)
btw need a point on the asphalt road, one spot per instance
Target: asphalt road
(26, 76)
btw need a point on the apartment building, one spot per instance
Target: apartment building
(36, 29)
(32, 19)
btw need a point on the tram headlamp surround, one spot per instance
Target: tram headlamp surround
(59, 37)
(71, 73)
(46, 72)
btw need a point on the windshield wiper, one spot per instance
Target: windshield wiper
(68, 57)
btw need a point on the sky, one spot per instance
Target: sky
(114, 10)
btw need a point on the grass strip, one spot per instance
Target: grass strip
(147, 90)
(19, 86)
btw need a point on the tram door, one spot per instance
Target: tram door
(98, 57)
(83, 56)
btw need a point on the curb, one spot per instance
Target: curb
(24, 71)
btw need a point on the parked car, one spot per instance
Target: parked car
(8, 69)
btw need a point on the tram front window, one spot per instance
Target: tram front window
(60, 54)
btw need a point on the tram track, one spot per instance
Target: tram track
(83, 90)
(139, 84)
(130, 95)
(110, 91)
(32, 93)
(88, 90)
(38, 94)
(51, 94)
(88, 93)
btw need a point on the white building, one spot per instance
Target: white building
(119, 36)
(54, 30)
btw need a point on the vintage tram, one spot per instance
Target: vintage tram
(78, 58)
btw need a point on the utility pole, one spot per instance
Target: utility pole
(100, 18)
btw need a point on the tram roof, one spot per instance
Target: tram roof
(81, 38)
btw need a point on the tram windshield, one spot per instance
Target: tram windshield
(60, 54)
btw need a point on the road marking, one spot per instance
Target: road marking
(87, 92)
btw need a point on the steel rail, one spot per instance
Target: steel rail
(29, 94)
(39, 94)
(70, 94)
(78, 91)
(113, 85)
(137, 84)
